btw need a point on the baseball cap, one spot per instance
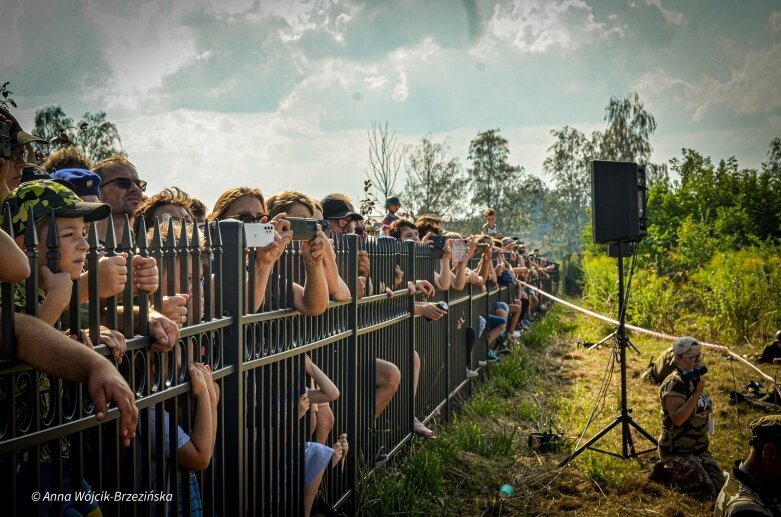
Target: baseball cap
(684, 344)
(86, 182)
(766, 429)
(43, 196)
(338, 209)
(18, 136)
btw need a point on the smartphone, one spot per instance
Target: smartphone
(5, 140)
(459, 250)
(438, 241)
(303, 229)
(258, 235)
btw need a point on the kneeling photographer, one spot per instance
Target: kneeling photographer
(687, 420)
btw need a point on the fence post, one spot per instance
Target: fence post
(410, 273)
(233, 399)
(352, 371)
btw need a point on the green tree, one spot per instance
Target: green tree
(569, 165)
(628, 132)
(434, 182)
(94, 136)
(773, 163)
(492, 179)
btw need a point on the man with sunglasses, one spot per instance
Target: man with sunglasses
(121, 189)
(687, 419)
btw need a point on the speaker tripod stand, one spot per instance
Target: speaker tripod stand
(624, 419)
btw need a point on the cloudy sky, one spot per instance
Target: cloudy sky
(279, 94)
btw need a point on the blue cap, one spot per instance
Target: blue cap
(85, 182)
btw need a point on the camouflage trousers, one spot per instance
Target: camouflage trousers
(694, 473)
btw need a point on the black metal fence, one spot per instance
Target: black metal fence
(51, 444)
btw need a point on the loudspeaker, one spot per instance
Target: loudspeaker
(617, 202)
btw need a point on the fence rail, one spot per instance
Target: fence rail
(50, 440)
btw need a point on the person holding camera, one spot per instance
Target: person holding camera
(752, 486)
(686, 422)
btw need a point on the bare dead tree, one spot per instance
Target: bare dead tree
(386, 157)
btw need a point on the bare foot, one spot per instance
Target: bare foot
(421, 430)
(345, 448)
(336, 457)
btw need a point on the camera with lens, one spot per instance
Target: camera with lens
(694, 374)
(5, 140)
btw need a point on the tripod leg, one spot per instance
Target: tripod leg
(588, 444)
(643, 432)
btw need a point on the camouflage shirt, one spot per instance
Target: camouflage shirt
(740, 496)
(692, 436)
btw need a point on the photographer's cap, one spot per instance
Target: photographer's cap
(335, 208)
(18, 136)
(778, 336)
(766, 429)
(684, 344)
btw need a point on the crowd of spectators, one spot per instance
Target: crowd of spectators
(66, 194)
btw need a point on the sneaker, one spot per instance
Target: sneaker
(470, 374)
(502, 349)
(544, 307)
(482, 363)
(481, 327)
(492, 357)
(517, 333)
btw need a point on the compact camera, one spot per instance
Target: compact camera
(5, 140)
(303, 229)
(694, 374)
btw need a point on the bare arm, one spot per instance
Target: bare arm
(312, 299)
(337, 288)
(16, 267)
(197, 453)
(57, 287)
(681, 409)
(48, 350)
(326, 390)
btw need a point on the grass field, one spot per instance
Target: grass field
(552, 381)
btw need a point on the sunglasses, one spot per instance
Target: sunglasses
(343, 222)
(125, 183)
(694, 358)
(247, 217)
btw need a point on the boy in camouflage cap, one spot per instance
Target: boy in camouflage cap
(71, 214)
(752, 488)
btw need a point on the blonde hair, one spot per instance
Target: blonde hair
(231, 195)
(282, 201)
(114, 162)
